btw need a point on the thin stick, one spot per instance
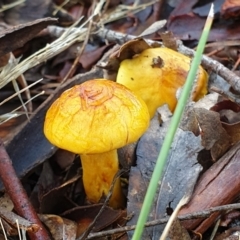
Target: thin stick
(19, 232)
(207, 62)
(18, 195)
(227, 94)
(20, 91)
(3, 230)
(201, 214)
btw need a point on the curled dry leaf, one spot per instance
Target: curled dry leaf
(126, 51)
(60, 228)
(230, 116)
(225, 105)
(207, 124)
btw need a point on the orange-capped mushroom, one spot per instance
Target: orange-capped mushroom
(156, 74)
(93, 119)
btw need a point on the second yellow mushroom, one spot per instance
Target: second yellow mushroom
(156, 74)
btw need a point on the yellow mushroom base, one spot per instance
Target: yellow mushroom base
(98, 173)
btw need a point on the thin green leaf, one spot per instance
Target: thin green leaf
(161, 161)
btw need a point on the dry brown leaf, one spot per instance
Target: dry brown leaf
(60, 228)
(169, 40)
(177, 231)
(216, 187)
(233, 131)
(126, 51)
(20, 34)
(230, 117)
(11, 219)
(4, 59)
(230, 9)
(208, 125)
(84, 216)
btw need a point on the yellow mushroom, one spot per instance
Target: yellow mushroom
(156, 74)
(93, 119)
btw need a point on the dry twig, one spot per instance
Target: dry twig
(227, 94)
(19, 197)
(120, 38)
(201, 214)
(208, 63)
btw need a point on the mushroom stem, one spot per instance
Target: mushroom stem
(98, 173)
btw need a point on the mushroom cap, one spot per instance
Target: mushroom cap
(96, 116)
(156, 74)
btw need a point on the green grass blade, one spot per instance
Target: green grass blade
(161, 161)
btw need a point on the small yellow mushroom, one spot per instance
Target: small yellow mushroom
(156, 74)
(93, 119)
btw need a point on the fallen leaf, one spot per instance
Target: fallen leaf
(156, 26)
(60, 228)
(84, 216)
(202, 10)
(183, 7)
(186, 22)
(28, 11)
(133, 23)
(230, 9)
(216, 187)
(177, 231)
(4, 59)
(225, 104)
(89, 58)
(14, 220)
(233, 131)
(126, 51)
(208, 125)
(169, 40)
(182, 164)
(48, 201)
(230, 117)
(20, 34)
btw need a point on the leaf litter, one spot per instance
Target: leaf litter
(227, 131)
